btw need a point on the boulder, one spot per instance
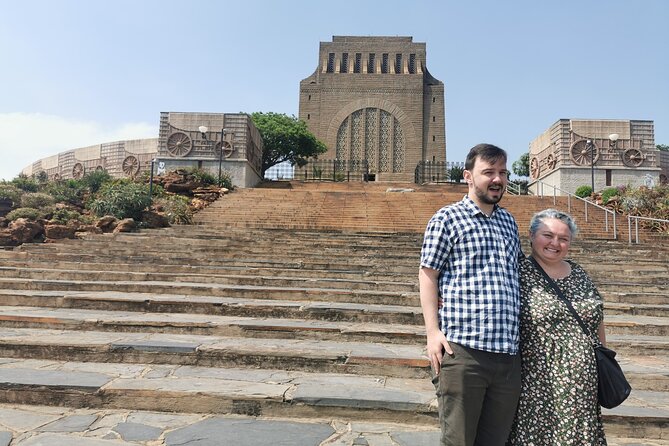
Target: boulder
(24, 230)
(125, 225)
(153, 220)
(60, 231)
(107, 223)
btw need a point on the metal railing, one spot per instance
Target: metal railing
(608, 213)
(636, 219)
(333, 170)
(516, 188)
(438, 172)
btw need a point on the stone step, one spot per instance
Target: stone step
(228, 279)
(350, 264)
(209, 324)
(657, 310)
(634, 294)
(210, 305)
(66, 297)
(260, 393)
(637, 325)
(214, 390)
(119, 244)
(226, 269)
(217, 290)
(632, 345)
(208, 329)
(393, 360)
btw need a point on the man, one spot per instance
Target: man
(470, 297)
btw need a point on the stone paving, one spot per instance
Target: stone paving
(53, 426)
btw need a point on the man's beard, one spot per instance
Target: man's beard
(483, 195)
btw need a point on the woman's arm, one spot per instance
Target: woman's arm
(601, 334)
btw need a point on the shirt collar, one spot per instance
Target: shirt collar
(473, 208)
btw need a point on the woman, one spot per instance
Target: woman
(558, 402)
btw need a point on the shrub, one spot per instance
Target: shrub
(583, 191)
(121, 199)
(202, 176)
(37, 200)
(63, 216)
(608, 193)
(70, 191)
(11, 192)
(226, 180)
(24, 183)
(42, 177)
(29, 213)
(176, 209)
(94, 180)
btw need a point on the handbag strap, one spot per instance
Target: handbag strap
(562, 297)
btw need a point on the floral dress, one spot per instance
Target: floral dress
(558, 401)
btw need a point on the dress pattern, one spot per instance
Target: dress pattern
(558, 402)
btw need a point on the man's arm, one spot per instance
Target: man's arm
(428, 280)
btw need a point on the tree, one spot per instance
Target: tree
(521, 167)
(663, 147)
(285, 138)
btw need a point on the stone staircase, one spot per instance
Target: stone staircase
(297, 304)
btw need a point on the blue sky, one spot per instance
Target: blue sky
(81, 72)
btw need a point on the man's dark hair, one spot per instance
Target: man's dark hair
(486, 152)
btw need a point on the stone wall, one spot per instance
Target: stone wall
(561, 156)
(118, 158)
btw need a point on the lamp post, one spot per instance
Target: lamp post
(153, 162)
(590, 148)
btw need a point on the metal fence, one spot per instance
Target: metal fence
(333, 170)
(438, 172)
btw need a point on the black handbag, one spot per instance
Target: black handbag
(612, 386)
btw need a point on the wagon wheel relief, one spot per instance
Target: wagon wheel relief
(632, 157)
(581, 154)
(130, 166)
(534, 168)
(227, 149)
(179, 144)
(78, 171)
(551, 161)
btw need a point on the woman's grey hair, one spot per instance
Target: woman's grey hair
(539, 217)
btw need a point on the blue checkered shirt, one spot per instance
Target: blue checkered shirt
(477, 257)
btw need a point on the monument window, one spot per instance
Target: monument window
(398, 63)
(344, 63)
(433, 138)
(434, 99)
(371, 63)
(373, 135)
(309, 98)
(331, 62)
(308, 116)
(358, 62)
(384, 63)
(412, 63)
(434, 119)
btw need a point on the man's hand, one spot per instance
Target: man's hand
(436, 346)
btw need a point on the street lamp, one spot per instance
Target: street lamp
(590, 148)
(203, 130)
